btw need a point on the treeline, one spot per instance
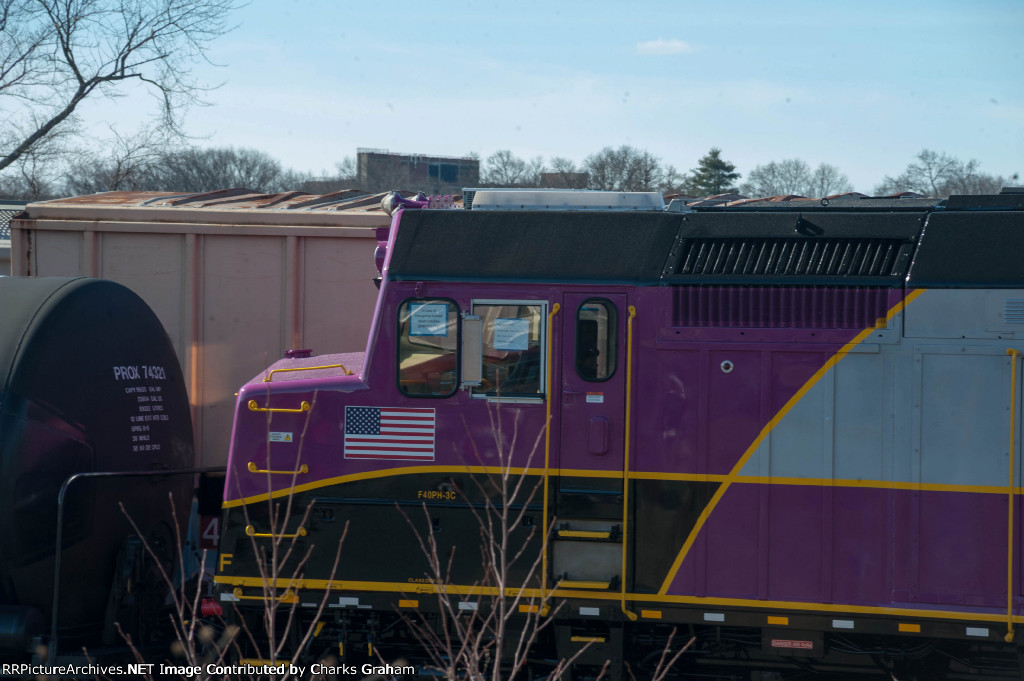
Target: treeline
(149, 162)
(152, 161)
(932, 173)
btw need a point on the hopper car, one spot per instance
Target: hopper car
(787, 430)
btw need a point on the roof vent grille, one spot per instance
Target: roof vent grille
(1013, 311)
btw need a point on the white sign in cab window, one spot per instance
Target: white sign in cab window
(429, 319)
(511, 334)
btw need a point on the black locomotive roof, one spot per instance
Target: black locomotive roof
(612, 247)
(964, 242)
(970, 249)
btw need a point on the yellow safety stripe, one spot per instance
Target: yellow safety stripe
(530, 593)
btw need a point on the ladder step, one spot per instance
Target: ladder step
(570, 584)
(584, 534)
(588, 639)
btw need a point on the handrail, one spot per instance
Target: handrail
(1014, 354)
(585, 534)
(58, 549)
(304, 406)
(269, 377)
(583, 584)
(251, 531)
(253, 468)
(625, 456)
(288, 597)
(547, 457)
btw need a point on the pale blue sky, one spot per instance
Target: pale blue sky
(863, 86)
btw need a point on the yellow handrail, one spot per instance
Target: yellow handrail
(253, 468)
(585, 534)
(251, 531)
(625, 456)
(288, 596)
(547, 457)
(254, 406)
(270, 376)
(582, 584)
(1014, 354)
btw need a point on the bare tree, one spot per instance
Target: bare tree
(827, 180)
(534, 170)
(938, 174)
(36, 174)
(505, 169)
(201, 170)
(625, 169)
(674, 182)
(794, 176)
(346, 170)
(603, 169)
(644, 172)
(131, 162)
(565, 174)
(493, 638)
(777, 178)
(57, 53)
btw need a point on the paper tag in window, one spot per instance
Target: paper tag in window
(429, 319)
(595, 398)
(511, 334)
(277, 436)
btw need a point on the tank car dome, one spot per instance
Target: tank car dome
(89, 381)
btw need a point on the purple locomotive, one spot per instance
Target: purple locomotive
(789, 430)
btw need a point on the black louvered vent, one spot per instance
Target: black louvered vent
(792, 256)
(782, 307)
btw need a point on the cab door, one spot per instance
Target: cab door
(588, 505)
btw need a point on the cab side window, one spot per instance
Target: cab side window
(596, 334)
(428, 347)
(513, 348)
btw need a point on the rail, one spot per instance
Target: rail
(1014, 354)
(625, 458)
(251, 531)
(547, 458)
(253, 468)
(269, 377)
(288, 597)
(303, 406)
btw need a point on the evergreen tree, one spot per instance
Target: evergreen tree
(713, 175)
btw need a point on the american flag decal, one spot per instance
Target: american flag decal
(389, 433)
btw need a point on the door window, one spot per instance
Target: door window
(596, 333)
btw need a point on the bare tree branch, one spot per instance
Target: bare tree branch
(54, 54)
(938, 174)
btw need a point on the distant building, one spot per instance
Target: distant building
(380, 170)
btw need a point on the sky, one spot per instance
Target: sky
(863, 86)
